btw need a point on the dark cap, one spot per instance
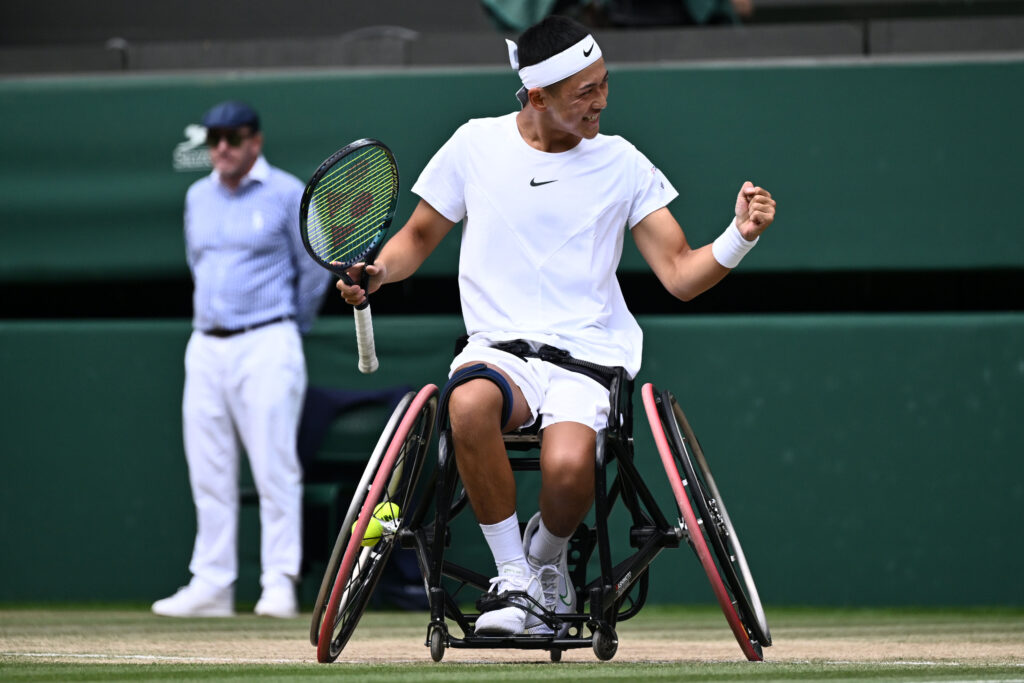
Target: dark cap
(232, 114)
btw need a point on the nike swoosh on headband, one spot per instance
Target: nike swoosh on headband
(557, 67)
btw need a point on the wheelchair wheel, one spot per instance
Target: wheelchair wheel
(438, 643)
(353, 510)
(605, 643)
(390, 477)
(711, 534)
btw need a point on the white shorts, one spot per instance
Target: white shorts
(553, 393)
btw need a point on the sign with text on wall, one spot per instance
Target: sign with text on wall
(191, 154)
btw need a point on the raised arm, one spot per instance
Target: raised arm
(402, 254)
(686, 272)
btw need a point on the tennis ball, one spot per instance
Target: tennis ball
(386, 512)
(374, 531)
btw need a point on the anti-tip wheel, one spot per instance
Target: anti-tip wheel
(437, 644)
(556, 655)
(606, 643)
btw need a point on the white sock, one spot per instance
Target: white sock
(505, 541)
(545, 546)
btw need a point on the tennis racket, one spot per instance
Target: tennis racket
(346, 209)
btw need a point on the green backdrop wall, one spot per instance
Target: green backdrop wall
(875, 165)
(866, 460)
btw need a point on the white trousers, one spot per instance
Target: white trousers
(248, 388)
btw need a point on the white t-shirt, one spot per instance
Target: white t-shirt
(542, 236)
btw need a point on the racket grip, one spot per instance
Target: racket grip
(364, 341)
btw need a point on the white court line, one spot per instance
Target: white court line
(149, 658)
(249, 660)
(188, 660)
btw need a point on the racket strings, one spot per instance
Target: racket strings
(352, 174)
(350, 203)
(334, 242)
(332, 217)
(345, 225)
(338, 243)
(354, 171)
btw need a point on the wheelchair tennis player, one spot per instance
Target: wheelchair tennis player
(545, 200)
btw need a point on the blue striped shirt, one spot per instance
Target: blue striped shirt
(246, 255)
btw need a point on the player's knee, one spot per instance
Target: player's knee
(569, 470)
(475, 407)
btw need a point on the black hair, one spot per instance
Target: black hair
(547, 38)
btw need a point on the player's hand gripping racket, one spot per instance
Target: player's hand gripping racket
(346, 208)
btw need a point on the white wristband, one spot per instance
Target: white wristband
(730, 247)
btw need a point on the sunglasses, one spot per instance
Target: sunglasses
(233, 137)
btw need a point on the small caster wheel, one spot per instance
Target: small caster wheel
(605, 643)
(556, 655)
(437, 644)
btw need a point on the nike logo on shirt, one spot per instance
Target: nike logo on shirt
(534, 183)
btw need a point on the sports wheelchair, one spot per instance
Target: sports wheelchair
(616, 593)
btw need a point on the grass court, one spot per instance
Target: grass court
(127, 643)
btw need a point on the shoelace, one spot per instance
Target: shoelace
(513, 583)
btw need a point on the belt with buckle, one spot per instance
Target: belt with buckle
(221, 332)
(601, 374)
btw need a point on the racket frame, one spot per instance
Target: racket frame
(363, 321)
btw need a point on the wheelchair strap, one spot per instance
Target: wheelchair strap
(602, 374)
(477, 371)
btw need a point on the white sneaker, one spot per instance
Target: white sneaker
(278, 601)
(556, 586)
(197, 599)
(508, 621)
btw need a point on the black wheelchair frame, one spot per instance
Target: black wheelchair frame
(616, 593)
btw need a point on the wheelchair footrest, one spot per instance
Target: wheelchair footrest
(520, 642)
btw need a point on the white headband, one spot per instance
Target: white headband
(557, 67)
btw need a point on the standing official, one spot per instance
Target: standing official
(256, 292)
